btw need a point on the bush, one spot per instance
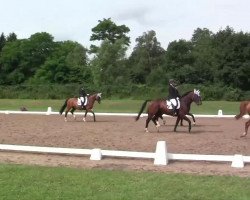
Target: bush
(57, 91)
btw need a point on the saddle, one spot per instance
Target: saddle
(79, 101)
(173, 102)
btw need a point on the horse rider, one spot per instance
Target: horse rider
(83, 97)
(173, 95)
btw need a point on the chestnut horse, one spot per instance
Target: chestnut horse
(72, 103)
(244, 109)
(159, 107)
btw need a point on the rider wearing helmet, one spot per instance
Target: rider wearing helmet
(83, 97)
(173, 94)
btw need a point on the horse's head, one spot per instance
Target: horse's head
(197, 97)
(98, 97)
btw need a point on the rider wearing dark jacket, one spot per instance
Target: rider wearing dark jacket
(173, 93)
(82, 95)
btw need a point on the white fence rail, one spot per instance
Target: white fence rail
(50, 112)
(160, 156)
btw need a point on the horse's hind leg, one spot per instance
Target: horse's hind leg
(66, 113)
(72, 112)
(247, 124)
(147, 122)
(156, 122)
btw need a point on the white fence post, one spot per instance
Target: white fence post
(220, 113)
(96, 154)
(161, 153)
(49, 111)
(237, 161)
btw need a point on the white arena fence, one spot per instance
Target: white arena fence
(50, 112)
(160, 156)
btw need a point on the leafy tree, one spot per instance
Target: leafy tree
(35, 51)
(232, 58)
(106, 29)
(11, 37)
(67, 64)
(10, 72)
(109, 64)
(179, 54)
(2, 41)
(203, 53)
(147, 56)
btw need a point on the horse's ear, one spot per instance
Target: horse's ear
(197, 92)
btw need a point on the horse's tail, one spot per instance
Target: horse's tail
(63, 107)
(141, 110)
(243, 106)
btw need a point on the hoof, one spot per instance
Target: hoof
(194, 123)
(243, 135)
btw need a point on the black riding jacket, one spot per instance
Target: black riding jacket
(82, 93)
(173, 92)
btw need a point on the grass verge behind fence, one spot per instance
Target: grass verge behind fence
(111, 106)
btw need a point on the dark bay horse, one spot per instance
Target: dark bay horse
(72, 104)
(244, 109)
(159, 107)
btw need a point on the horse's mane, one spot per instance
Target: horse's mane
(185, 94)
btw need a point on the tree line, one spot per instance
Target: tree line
(217, 63)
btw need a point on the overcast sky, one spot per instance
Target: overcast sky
(74, 19)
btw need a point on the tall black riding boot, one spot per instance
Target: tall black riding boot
(82, 105)
(174, 109)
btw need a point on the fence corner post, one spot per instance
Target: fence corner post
(161, 155)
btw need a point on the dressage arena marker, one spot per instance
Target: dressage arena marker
(220, 113)
(160, 156)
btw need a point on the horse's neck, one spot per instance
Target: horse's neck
(92, 100)
(187, 100)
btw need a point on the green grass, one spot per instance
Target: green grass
(127, 106)
(27, 182)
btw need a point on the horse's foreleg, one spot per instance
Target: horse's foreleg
(190, 114)
(84, 117)
(176, 123)
(93, 114)
(189, 122)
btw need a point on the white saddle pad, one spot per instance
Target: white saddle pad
(80, 103)
(174, 102)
